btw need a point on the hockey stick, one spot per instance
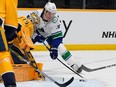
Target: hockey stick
(45, 75)
(84, 67)
(99, 68)
(89, 69)
(63, 63)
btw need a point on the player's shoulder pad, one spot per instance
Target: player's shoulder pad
(55, 19)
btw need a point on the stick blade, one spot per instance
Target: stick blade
(67, 83)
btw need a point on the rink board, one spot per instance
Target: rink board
(86, 29)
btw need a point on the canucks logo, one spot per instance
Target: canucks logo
(55, 19)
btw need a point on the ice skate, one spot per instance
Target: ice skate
(76, 68)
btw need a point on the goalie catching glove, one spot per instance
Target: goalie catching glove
(26, 42)
(24, 33)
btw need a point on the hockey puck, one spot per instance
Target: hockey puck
(63, 79)
(82, 80)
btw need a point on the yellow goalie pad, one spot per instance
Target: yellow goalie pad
(24, 72)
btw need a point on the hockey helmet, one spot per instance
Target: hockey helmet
(51, 7)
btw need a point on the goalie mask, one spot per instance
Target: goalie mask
(34, 18)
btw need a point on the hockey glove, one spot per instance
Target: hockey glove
(39, 38)
(25, 40)
(53, 53)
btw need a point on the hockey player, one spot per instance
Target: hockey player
(23, 43)
(8, 24)
(49, 30)
(22, 40)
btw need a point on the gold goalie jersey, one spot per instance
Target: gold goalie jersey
(24, 33)
(8, 13)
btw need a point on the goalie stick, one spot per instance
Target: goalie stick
(64, 63)
(45, 75)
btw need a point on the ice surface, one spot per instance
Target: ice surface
(91, 59)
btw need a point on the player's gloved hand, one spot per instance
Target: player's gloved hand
(39, 38)
(53, 53)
